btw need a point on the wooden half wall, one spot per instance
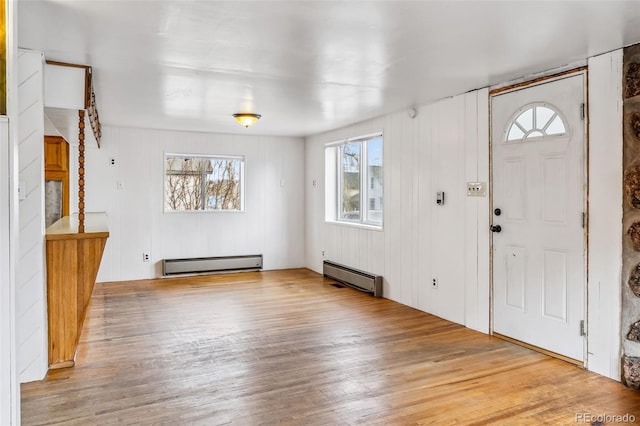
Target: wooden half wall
(73, 260)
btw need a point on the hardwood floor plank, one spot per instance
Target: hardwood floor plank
(286, 347)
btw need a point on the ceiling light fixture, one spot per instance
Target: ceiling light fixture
(247, 119)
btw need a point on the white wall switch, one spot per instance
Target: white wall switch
(476, 189)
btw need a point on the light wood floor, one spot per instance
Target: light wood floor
(287, 347)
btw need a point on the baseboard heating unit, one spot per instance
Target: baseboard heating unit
(352, 277)
(203, 265)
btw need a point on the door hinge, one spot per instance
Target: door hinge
(582, 332)
(584, 219)
(583, 112)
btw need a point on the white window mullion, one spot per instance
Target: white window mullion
(364, 178)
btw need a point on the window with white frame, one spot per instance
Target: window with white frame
(539, 120)
(354, 180)
(203, 183)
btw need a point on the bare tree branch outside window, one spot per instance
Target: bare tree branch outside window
(351, 181)
(202, 183)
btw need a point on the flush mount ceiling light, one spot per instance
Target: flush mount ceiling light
(247, 119)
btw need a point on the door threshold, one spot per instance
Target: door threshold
(534, 348)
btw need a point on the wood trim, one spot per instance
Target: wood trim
(87, 78)
(63, 364)
(66, 64)
(85, 235)
(535, 81)
(539, 349)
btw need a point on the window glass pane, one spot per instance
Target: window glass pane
(535, 134)
(515, 133)
(374, 171)
(351, 153)
(556, 127)
(543, 115)
(183, 183)
(202, 183)
(223, 184)
(526, 119)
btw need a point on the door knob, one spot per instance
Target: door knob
(495, 228)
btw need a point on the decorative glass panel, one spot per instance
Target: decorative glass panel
(556, 127)
(536, 121)
(526, 119)
(515, 133)
(543, 115)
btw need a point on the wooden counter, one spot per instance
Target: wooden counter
(73, 260)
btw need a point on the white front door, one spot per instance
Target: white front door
(538, 144)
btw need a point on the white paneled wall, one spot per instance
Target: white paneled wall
(272, 223)
(442, 148)
(605, 213)
(30, 278)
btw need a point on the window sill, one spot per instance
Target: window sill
(201, 211)
(355, 225)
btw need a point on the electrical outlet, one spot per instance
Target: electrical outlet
(112, 161)
(434, 283)
(145, 257)
(322, 253)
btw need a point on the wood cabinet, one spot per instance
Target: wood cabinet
(56, 178)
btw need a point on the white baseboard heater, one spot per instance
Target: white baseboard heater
(353, 277)
(202, 265)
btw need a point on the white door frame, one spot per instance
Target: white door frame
(510, 88)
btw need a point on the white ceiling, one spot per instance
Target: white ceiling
(308, 66)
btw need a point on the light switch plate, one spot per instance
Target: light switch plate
(476, 189)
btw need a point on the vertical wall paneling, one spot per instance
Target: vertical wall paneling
(477, 213)
(30, 281)
(482, 314)
(417, 279)
(9, 380)
(8, 387)
(425, 198)
(131, 192)
(438, 150)
(605, 213)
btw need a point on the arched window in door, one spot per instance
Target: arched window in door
(538, 120)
